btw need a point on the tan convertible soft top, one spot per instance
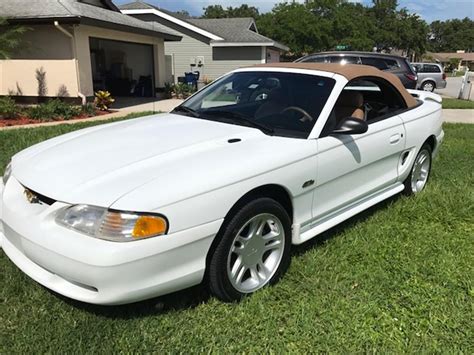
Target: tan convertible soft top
(350, 72)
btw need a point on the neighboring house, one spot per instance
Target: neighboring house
(211, 46)
(466, 59)
(83, 46)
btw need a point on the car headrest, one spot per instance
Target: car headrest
(271, 83)
(351, 99)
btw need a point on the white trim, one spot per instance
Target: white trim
(250, 44)
(242, 44)
(264, 55)
(174, 20)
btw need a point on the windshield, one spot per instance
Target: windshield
(283, 104)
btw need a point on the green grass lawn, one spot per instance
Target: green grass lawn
(397, 278)
(458, 104)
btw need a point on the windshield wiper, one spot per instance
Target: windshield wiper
(242, 118)
(186, 109)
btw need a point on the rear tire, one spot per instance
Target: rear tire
(428, 86)
(420, 172)
(253, 250)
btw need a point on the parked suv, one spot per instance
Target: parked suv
(430, 76)
(394, 64)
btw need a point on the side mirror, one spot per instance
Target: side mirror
(351, 125)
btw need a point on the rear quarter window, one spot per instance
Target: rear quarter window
(344, 59)
(381, 63)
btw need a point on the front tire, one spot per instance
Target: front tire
(428, 86)
(253, 250)
(420, 172)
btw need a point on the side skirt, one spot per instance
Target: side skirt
(323, 224)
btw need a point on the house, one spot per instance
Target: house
(211, 46)
(77, 47)
(466, 60)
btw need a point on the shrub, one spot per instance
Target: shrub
(54, 109)
(41, 79)
(62, 91)
(8, 108)
(183, 90)
(168, 90)
(103, 100)
(89, 109)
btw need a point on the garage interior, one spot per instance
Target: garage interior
(125, 69)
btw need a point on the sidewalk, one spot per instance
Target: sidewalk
(458, 116)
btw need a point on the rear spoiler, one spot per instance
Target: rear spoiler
(425, 96)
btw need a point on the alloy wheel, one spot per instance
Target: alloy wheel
(256, 253)
(421, 170)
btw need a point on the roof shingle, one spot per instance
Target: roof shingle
(231, 30)
(72, 9)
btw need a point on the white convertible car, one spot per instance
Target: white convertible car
(218, 190)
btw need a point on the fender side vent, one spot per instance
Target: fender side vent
(404, 157)
(234, 140)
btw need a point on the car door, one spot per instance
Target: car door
(354, 167)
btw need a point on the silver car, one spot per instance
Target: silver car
(430, 76)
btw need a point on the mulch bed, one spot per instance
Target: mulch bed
(21, 121)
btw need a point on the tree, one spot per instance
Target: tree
(10, 38)
(352, 26)
(217, 11)
(296, 26)
(384, 18)
(451, 35)
(214, 11)
(318, 25)
(412, 32)
(243, 11)
(183, 14)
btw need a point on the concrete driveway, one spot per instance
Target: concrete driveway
(140, 105)
(452, 88)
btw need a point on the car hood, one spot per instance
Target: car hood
(99, 165)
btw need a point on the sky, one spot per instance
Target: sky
(429, 10)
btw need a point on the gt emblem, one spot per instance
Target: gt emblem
(31, 197)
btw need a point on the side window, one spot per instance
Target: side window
(379, 97)
(431, 68)
(368, 99)
(392, 64)
(374, 62)
(381, 63)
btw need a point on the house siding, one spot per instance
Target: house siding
(62, 58)
(193, 46)
(44, 47)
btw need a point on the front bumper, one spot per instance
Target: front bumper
(93, 270)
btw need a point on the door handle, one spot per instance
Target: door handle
(395, 138)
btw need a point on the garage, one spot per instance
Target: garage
(123, 68)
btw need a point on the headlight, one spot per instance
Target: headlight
(7, 173)
(111, 225)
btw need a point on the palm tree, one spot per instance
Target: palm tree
(10, 38)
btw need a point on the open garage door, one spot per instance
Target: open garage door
(122, 68)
